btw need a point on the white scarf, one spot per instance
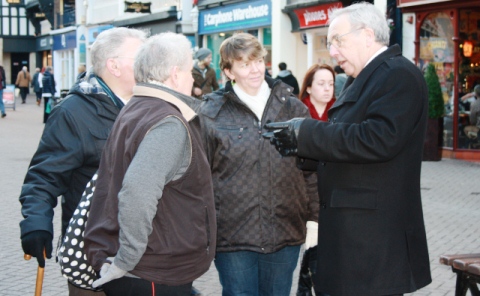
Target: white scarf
(255, 103)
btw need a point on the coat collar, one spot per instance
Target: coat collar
(156, 92)
(214, 101)
(353, 86)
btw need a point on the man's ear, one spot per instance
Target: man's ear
(370, 36)
(174, 77)
(112, 67)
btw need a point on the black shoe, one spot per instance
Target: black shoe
(4, 114)
(23, 102)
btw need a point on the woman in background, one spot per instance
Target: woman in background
(48, 91)
(317, 91)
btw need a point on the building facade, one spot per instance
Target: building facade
(446, 33)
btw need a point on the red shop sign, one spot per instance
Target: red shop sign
(315, 16)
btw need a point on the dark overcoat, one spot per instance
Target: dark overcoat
(372, 237)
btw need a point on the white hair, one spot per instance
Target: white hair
(366, 15)
(159, 55)
(108, 44)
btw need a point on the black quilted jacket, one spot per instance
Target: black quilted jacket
(262, 200)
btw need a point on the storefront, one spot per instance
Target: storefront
(447, 34)
(44, 51)
(64, 46)
(312, 23)
(218, 23)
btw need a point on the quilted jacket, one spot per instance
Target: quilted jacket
(262, 200)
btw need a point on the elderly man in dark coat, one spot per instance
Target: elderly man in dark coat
(371, 233)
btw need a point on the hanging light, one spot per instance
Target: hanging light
(467, 48)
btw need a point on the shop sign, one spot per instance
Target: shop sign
(405, 3)
(252, 14)
(65, 41)
(44, 43)
(315, 16)
(16, 2)
(137, 7)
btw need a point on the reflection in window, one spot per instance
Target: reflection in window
(437, 47)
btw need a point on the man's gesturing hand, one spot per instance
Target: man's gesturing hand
(283, 135)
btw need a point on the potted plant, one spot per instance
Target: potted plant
(436, 111)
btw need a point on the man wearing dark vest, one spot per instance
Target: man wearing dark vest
(152, 226)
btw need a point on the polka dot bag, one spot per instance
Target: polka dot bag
(71, 256)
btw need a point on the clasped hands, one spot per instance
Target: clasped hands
(283, 135)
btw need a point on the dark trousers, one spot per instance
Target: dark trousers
(38, 94)
(127, 286)
(23, 93)
(75, 291)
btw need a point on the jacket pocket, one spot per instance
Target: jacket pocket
(100, 137)
(359, 198)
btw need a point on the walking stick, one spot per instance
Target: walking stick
(40, 273)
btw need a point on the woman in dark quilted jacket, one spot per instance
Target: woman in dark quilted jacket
(263, 201)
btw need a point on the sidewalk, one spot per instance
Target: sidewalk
(450, 191)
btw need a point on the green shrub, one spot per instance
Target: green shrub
(436, 107)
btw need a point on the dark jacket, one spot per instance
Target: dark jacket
(4, 78)
(262, 200)
(36, 83)
(48, 82)
(372, 237)
(67, 157)
(181, 245)
(289, 79)
(207, 84)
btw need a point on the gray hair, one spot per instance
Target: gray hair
(365, 15)
(159, 55)
(48, 69)
(108, 44)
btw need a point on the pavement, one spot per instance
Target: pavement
(450, 195)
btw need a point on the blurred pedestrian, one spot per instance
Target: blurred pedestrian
(72, 141)
(48, 92)
(23, 82)
(205, 78)
(340, 79)
(2, 87)
(37, 84)
(287, 77)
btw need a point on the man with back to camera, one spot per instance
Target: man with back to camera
(287, 77)
(67, 157)
(371, 229)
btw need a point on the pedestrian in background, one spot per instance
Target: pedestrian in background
(318, 90)
(48, 92)
(151, 228)
(69, 151)
(205, 78)
(2, 87)
(37, 84)
(287, 77)
(340, 80)
(23, 82)
(371, 227)
(266, 207)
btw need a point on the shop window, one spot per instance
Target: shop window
(468, 77)
(437, 47)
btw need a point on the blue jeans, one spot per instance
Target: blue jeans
(252, 274)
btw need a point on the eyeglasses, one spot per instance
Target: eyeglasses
(122, 57)
(336, 39)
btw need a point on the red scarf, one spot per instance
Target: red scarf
(313, 111)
